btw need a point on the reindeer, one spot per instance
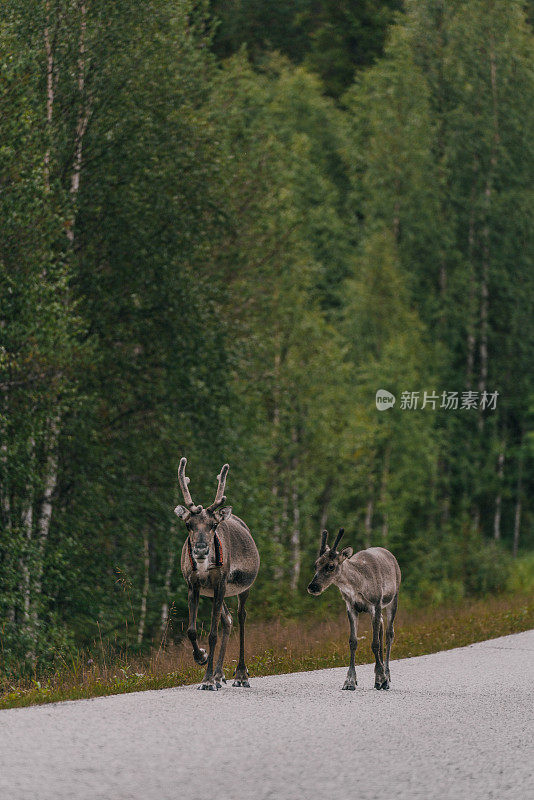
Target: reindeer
(219, 559)
(369, 582)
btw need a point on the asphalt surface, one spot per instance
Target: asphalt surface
(457, 724)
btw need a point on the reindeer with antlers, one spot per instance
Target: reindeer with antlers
(219, 559)
(369, 582)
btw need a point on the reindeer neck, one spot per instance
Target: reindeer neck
(352, 584)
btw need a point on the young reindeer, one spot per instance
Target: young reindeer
(219, 559)
(368, 581)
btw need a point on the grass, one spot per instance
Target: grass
(276, 647)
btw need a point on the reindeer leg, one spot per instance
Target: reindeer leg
(351, 681)
(380, 678)
(226, 619)
(241, 673)
(391, 610)
(218, 599)
(193, 594)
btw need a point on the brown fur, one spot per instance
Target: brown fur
(369, 582)
(215, 533)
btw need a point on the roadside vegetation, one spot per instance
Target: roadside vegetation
(275, 646)
(224, 226)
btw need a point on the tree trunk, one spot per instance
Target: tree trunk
(498, 498)
(517, 523)
(471, 340)
(277, 522)
(471, 321)
(45, 516)
(325, 503)
(27, 526)
(518, 502)
(49, 92)
(167, 589)
(295, 540)
(84, 113)
(443, 484)
(484, 302)
(144, 595)
(486, 249)
(396, 211)
(295, 531)
(369, 511)
(383, 494)
(5, 500)
(168, 572)
(25, 588)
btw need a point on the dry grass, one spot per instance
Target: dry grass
(275, 647)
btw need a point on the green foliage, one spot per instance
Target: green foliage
(202, 253)
(332, 38)
(521, 577)
(285, 646)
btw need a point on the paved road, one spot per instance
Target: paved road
(454, 725)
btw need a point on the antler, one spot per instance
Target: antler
(338, 539)
(220, 498)
(324, 537)
(183, 481)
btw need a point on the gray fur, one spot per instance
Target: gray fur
(369, 582)
(205, 577)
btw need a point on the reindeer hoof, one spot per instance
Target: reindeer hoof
(244, 683)
(209, 687)
(350, 685)
(219, 681)
(202, 658)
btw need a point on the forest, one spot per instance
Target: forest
(224, 228)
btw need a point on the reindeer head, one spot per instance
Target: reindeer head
(328, 564)
(202, 522)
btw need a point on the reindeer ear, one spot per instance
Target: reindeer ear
(223, 513)
(346, 552)
(182, 512)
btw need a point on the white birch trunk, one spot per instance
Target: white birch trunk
(275, 431)
(49, 92)
(295, 530)
(486, 250)
(369, 521)
(369, 511)
(498, 498)
(484, 302)
(27, 525)
(383, 494)
(167, 589)
(84, 114)
(5, 501)
(45, 517)
(471, 323)
(144, 596)
(295, 540)
(517, 525)
(325, 504)
(168, 573)
(518, 503)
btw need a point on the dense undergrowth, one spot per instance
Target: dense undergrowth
(277, 646)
